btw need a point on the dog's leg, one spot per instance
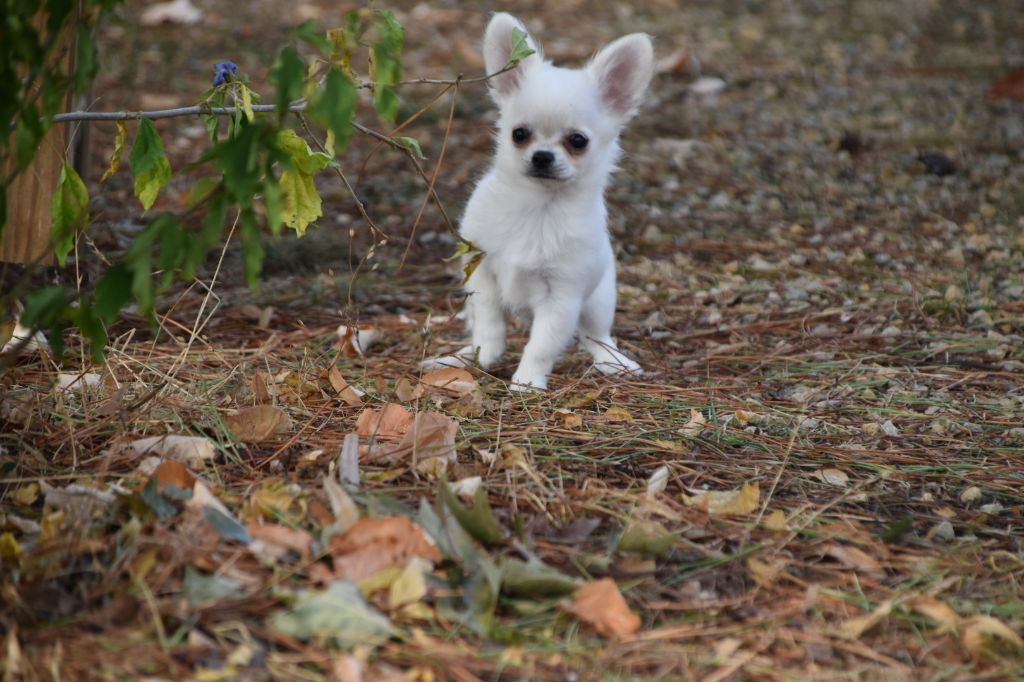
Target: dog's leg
(486, 318)
(551, 332)
(596, 327)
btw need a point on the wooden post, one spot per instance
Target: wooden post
(26, 236)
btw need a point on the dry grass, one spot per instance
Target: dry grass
(842, 329)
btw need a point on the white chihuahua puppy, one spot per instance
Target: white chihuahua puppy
(539, 214)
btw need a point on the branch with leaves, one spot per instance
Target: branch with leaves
(263, 169)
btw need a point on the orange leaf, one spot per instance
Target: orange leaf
(601, 604)
(343, 388)
(391, 422)
(172, 473)
(378, 543)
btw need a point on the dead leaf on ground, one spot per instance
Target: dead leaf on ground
(453, 388)
(695, 425)
(985, 635)
(567, 419)
(430, 443)
(853, 628)
(600, 604)
(855, 558)
(390, 422)
(351, 395)
(934, 608)
(257, 423)
(374, 544)
(187, 450)
(617, 415)
(733, 502)
(274, 541)
(833, 476)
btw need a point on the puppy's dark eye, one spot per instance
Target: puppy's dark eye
(578, 141)
(520, 135)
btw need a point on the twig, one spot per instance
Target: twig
(196, 110)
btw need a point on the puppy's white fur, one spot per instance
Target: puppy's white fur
(541, 220)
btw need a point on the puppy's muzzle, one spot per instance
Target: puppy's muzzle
(542, 165)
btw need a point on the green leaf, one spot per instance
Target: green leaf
(201, 190)
(480, 595)
(272, 202)
(70, 212)
(647, 538)
(89, 323)
(113, 292)
(412, 144)
(86, 64)
(204, 588)
(334, 106)
(150, 166)
(337, 615)
(247, 102)
(43, 307)
(252, 248)
(288, 74)
(478, 520)
(226, 526)
(119, 143)
(310, 33)
(298, 152)
(535, 579)
(386, 64)
(520, 46)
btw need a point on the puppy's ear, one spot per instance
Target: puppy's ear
(498, 43)
(622, 70)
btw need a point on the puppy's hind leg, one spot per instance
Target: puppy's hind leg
(595, 331)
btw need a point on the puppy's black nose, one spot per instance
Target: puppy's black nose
(542, 159)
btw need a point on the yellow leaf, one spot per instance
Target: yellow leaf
(567, 419)
(775, 522)
(411, 585)
(26, 495)
(733, 502)
(247, 102)
(765, 573)
(617, 414)
(272, 499)
(115, 158)
(10, 550)
(695, 425)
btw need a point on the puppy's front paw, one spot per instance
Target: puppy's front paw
(523, 382)
(618, 366)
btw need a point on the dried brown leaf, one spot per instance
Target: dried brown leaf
(600, 604)
(391, 422)
(257, 423)
(374, 544)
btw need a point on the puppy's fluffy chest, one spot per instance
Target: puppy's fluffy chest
(538, 244)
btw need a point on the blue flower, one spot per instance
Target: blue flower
(224, 72)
